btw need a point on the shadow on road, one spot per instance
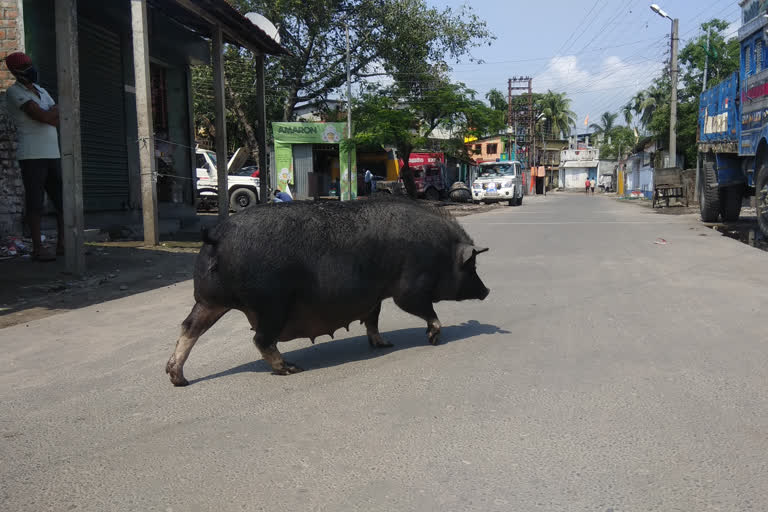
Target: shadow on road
(334, 353)
(30, 290)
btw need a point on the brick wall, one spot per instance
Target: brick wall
(9, 37)
(11, 188)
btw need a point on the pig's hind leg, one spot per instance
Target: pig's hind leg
(421, 307)
(200, 319)
(265, 340)
(372, 329)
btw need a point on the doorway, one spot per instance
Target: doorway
(326, 167)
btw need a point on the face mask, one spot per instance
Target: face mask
(28, 75)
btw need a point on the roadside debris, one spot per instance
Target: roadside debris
(660, 241)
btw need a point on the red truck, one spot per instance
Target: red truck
(428, 175)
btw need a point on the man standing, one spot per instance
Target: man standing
(592, 184)
(586, 186)
(37, 117)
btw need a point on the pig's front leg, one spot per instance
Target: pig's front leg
(422, 307)
(265, 340)
(273, 357)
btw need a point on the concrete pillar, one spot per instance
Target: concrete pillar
(261, 129)
(68, 75)
(144, 118)
(221, 121)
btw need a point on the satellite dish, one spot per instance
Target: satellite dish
(265, 25)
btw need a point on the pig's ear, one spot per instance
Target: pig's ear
(467, 253)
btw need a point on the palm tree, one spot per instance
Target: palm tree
(655, 96)
(606, 125)
(626, 110)
(556, 117)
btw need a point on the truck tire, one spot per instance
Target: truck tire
(730, 202)
(761, 195)
(709, 197)
(242, 198)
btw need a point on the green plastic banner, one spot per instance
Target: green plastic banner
(344, 179)
(284, 164)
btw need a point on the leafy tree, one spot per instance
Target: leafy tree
(723, 59)
(387, 39)
(620, 143)
(556, 117)
(405, 115)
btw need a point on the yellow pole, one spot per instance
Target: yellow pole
(620, 178)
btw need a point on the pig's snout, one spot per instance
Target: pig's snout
(485, 293)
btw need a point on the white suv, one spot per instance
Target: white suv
(499, 181)
(243, 190)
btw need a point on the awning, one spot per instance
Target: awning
(199, 15)
(580, 163)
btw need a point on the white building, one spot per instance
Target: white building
(577, 165)
(639, 169)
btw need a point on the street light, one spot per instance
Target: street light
(658, 10)
(673, 74)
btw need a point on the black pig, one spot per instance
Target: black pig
(302, 270)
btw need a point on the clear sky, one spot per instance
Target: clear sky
(600, 52)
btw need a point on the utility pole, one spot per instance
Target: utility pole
(349, 118)
(673, 102)
(509, 121)
(706, 62)
(516, 84)
(532, 146)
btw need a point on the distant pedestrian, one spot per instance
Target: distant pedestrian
(368, 182)
(592, 184)
(587, 186)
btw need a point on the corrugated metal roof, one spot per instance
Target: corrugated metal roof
(238, 30)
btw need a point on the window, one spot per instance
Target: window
(159, 98)
(200, 161)
(759, 60)
(478, 149)
(491, 149)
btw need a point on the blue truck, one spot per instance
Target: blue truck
(733, 130)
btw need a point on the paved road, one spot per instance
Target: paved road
(604, 372)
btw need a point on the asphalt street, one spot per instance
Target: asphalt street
(605, 372)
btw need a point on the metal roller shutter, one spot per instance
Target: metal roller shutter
(302, 166)
(102, 119)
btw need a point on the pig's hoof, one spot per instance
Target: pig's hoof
(177, 377)
(433, 336)
(179, 382)
(287, 369)
(379, 342)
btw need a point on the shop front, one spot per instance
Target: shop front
(311, 159)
